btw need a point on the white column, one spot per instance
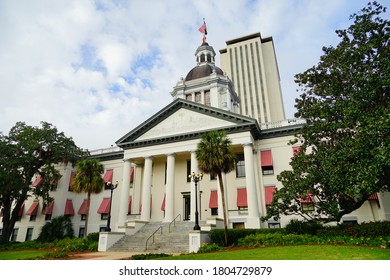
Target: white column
(194, 168)
(146, 189)
(125, 192)
(253, 209)
(220, 207)
(170, 189)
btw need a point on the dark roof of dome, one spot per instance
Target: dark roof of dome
(202, 71)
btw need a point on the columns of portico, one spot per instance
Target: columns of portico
(194, 168)
(253, 208)
(170, 189)
(146, 189)
(124, 193)
(220, 206)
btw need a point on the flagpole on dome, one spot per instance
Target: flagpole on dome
(203, 29)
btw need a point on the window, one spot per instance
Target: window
(29, 234)
(198, 97)
(104, 216)
(213, 202)
(102, 228)
(242, 202)
(48, 210)
(108, 178)
(189, 97)
(69, 210)
(307, 207)
(240, 166)
(188, 170)
(352, 220)
(83, 217)
(269, 193)
(207, 98)
(307, 204)
(33, 210)
(14, 234)
(81, 232)
(238, 225)
(131, 176)
(266, 163)
(273, 224)
(213, 177)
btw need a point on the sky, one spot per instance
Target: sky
(98, 69)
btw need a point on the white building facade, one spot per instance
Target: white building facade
(152, 162)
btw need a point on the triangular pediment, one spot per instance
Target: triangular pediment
(183, 119)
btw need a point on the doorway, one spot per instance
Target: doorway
(186, 206)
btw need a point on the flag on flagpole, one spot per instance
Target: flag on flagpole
(203, 28)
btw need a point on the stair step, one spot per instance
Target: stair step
(175, 241)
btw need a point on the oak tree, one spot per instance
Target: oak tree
(344, 156)
(27, 152)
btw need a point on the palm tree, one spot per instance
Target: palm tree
(88, 179)
(215, 155)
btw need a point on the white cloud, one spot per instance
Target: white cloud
(96, 69)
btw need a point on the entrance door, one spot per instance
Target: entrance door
(187, 207)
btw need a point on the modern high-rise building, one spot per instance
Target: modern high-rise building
(250, 62)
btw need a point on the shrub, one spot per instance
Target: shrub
(371, 229)
(217, 235)
(148, 256)
(207, 248)
(56, 229)
(93, 237)
(303, 227)
(277, 239)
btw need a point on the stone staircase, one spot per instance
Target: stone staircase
(175, 241)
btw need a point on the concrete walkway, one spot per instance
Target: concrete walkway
(104, 255)
(107, 255)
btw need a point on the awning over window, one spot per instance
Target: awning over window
(266, 158)
(49, 208)
(83, 208)
(308, 199)
(21, 210)
(269, 193)
(104, 207)
(69, 210)
(241, 198)
(33, 210)
(108, 176)
(163, 204)
(213, 203)
(374, 196)
(38, 181)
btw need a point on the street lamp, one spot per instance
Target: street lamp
(112, 187)
(196, 178)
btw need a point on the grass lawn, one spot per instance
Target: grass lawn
(303, 252)
(21, 254)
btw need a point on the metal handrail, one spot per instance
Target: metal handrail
(174, 223)
(152, 235)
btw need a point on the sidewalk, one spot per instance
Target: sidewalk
(104, 255)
